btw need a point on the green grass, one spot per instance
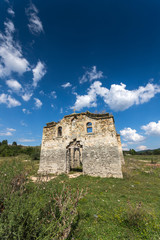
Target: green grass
(127, 208)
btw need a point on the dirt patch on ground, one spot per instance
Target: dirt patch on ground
(48, 178)
(42, 178)
(143, 161)
(75, 175)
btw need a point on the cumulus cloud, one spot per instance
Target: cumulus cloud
(90, 99)
(38, 103)
(26, 97)
(8, 100)
(11, 57)
(7, 132)
(26, 111)
(152, 128)
(131, 135)
(14, 85)
(53, 94)
(38, 72)
(125, 147)
(11, 129)
(142, 147)
(35, 25)
(11, 12)
(118, 98)
(68, 84)
(42, 93)
(90, 75)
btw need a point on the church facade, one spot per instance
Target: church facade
(84, 141)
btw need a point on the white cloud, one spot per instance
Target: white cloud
(38, 103)
(7, 132)
(117, 97)
(125, 147)
(91, 75)
(53, 94)
(11, 129)
(11, 58)
(26, 111)
(26, 140)
(23, 123)
(152, 128)
(52, 106)
(68, 84)
(11, 12)
(61, 110)
(14, 85)
(131, 135)
(35, 24)
(26, 97)
(8, 100)
(42, 93)
(38, 72)
(9, 28)
(142, 147)
(90, 100)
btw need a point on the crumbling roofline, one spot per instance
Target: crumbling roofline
(88, 114)
(91, 115)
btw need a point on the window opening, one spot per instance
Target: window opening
(59, 131)
(89, 127)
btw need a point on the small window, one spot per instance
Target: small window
(89, 127)
(59, 131)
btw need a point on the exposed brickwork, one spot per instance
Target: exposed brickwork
(99, 152)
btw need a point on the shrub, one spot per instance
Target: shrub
(135, 214)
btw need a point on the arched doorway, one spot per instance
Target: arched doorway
(74, 156)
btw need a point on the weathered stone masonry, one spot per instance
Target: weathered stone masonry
(82, 139)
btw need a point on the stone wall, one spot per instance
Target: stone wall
(120, 148)
(101, 151)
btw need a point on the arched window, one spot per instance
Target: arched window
(89, 127)
(59, 131)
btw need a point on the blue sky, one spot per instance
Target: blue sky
(56, 56)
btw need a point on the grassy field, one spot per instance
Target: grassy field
(127, 208)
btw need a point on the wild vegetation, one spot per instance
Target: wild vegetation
(144, 152)
(80, 208)
(7, 150)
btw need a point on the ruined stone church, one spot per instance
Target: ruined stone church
(82, 140)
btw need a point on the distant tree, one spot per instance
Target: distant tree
(156, 152)
(132, 152)
(4, 142)
(14, 144)
(0, 143)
